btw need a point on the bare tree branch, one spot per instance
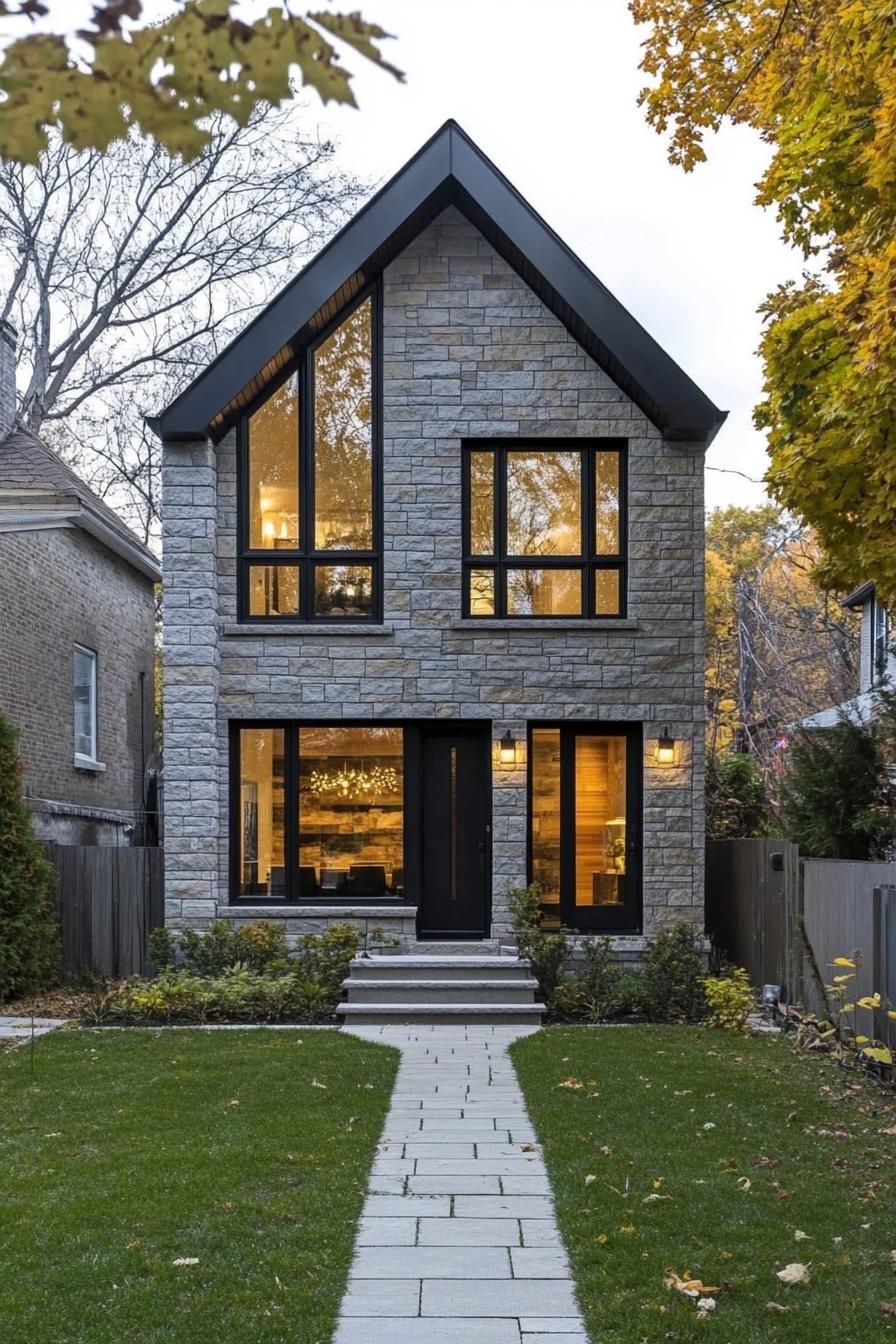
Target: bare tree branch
(125, 272)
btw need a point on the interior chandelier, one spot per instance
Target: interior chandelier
(355, 782)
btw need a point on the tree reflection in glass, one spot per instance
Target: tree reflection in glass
(343, 436)
(274, 471)
(544, 493)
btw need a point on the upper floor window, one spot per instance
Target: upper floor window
(544, 529)
(310, 545)
(880, 641)
(85, 704)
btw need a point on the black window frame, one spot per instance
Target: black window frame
(629, 918)
(307, 558)
(880, 641)
(291, 893)
(588, 562)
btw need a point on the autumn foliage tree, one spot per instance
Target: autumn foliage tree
(818, 82)
(778, 647)
(164, 76)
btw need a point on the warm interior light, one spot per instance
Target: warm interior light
(508, 749)
(267, 529)
(665, 748)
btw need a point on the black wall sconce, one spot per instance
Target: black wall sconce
(665, 748)
(507, 749)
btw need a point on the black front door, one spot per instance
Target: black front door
(455, 787)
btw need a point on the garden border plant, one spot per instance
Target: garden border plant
(226, 975)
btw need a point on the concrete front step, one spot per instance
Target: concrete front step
(435, 1014)
(363, 990)
(402, 967)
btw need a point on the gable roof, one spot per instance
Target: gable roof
(39, 490)
(449, 170)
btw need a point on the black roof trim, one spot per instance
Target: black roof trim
(449, 169)
(860, 596)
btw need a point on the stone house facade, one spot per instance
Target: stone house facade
(77, 629)
(458, 646)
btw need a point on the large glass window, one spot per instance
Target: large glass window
(85, 703)
(544, 530)
(351, 811)
(582, 822)
(309, 483)
(319, 812)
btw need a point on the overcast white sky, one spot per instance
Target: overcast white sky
(548, 89)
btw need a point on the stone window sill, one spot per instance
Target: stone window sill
(245, 910)
(536, 626)
(259, 630)
(89, 764)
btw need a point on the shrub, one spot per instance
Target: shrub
(736, 798)
(546, 950)
(837, 799)
(29, 933)
(673, 975)
(306, 988)
(260, 946)
(598, 978)
(729, 998)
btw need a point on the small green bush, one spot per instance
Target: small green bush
(598, 978)
(546, 950)
(276, 988)
(29, 933)
(674, 970)
(729, 998)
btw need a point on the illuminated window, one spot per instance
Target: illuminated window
(309, 481)
(544, 530)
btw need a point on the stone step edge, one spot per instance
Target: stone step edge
(441, 1009)
(393, 983)
(400, 960)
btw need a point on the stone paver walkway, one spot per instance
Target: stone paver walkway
(19, 1028)
(458, 1243)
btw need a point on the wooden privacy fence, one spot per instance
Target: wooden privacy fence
(785, 919)
(109, 900)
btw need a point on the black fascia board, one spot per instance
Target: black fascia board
(450, 169)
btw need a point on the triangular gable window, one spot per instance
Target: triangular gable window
(310, 541)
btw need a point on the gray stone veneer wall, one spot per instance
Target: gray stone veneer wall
(469, 351)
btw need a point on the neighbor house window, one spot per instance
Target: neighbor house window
(319, 811)
(880, 641)
(544, 530)
(310, 528)
(85, 703)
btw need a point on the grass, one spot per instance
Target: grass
(746, 1142)
(125, 1151)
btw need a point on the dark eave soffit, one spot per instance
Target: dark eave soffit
(448, 170)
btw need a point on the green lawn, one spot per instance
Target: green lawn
(746, 1143)
(125, 1151)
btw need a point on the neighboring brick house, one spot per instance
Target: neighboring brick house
(77, 616)
(433, 596)
(877, 662)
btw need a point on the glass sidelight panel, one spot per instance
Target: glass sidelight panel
(274, 471)
(343, 435)
(351, 811)
(545, 819)
(482, 503)
(261, 816)
(600, 820)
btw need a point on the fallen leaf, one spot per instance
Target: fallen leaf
(744, 1183)
(315, 1083)
(589, 1180)
(888, 1308)
(527, 1147)
(794, 1274)
(705, 1305)
(844, 961)
(573, 1084)
(775, 1306)
(186, 1260)
(690, 1287)
(801, 1236)
(653, 1199)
